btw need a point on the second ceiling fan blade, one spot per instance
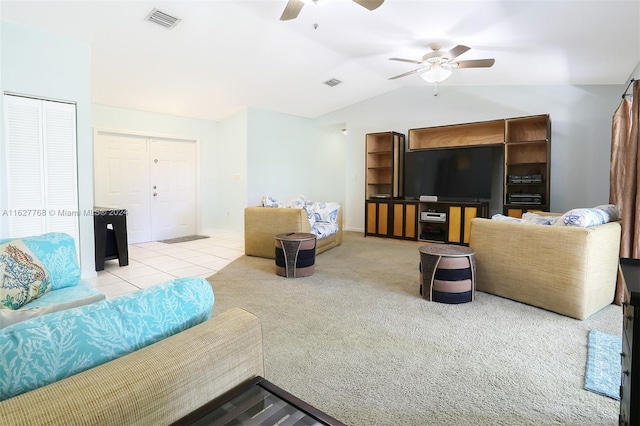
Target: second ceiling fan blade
(411, 61)
(406, 73)
(292, 10)
(456, 51)
(474, 63)
(370, 4)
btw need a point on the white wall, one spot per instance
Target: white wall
(49, 66)
(231, 192)
(290, 155)
(636, 72)
(153, 124)
(580, 141)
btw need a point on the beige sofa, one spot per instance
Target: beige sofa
(565, 269)
(157, 385)
(262, 224)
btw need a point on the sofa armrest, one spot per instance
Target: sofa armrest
(262, 224)
(158, 384)
(565, 269)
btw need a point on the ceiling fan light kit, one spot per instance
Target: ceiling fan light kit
(436, 74)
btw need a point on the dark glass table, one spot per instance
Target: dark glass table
(258, 402)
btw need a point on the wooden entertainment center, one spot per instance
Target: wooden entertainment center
(526, 142)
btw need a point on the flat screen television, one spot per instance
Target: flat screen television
(455, 174)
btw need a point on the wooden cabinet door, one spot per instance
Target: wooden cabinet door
(411, 221)
(469, 213)
(383, 218)
(377, 218)
(459, 222)
(454, 233)
(398, 220)
(371, 218)
(404, 220)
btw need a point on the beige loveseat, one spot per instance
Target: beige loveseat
(156, 385)
(565, 269)
(262, 224)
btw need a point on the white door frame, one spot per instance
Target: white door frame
(150, 135)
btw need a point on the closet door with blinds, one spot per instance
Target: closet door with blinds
(41, 167)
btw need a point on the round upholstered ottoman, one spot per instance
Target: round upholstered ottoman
(295, 254)
(447, 273)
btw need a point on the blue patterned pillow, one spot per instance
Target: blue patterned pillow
(46, 349)
(22, 277)
(585, 217)
(57, 252)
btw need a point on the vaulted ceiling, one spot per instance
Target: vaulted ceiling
(226, 55)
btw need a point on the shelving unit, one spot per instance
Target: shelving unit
(526, 180)
(527, 164)
(385, 161)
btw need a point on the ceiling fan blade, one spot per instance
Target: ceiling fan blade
(411, 61)
(292, 10)
(456, 51)
(369, 4)
(406, 73)
(474, 63)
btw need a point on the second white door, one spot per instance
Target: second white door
(173, 182)
(154, 179)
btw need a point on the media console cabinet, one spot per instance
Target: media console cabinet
(526, 142)
(432, 221)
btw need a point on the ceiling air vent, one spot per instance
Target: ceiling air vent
(162, 18)
(332, 82)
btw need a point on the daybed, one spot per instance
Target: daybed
(570, 270)
(262, 224)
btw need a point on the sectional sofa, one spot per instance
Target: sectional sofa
(149, 357)
(570, 270)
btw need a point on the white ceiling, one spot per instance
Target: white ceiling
(226, 55)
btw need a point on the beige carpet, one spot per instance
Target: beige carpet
(357, 341)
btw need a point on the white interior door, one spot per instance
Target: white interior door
(121, 178)
(173, 180)
(154, 179)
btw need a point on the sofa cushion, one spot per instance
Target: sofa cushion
(57, 252)
(53, 301)
(48, 348)
(22, 276)
(323, 217)
(585, 217)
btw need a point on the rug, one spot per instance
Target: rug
(183, 239)
(356, 340)
(603, 364)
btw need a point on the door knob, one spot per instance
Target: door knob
(155, 194)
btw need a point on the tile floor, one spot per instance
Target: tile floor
(153, 263)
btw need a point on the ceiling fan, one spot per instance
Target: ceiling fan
(437, 65)
(293, 7)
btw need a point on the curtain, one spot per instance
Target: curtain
(624, 182)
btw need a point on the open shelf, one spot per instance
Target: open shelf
(456, 135)
(385, 160)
